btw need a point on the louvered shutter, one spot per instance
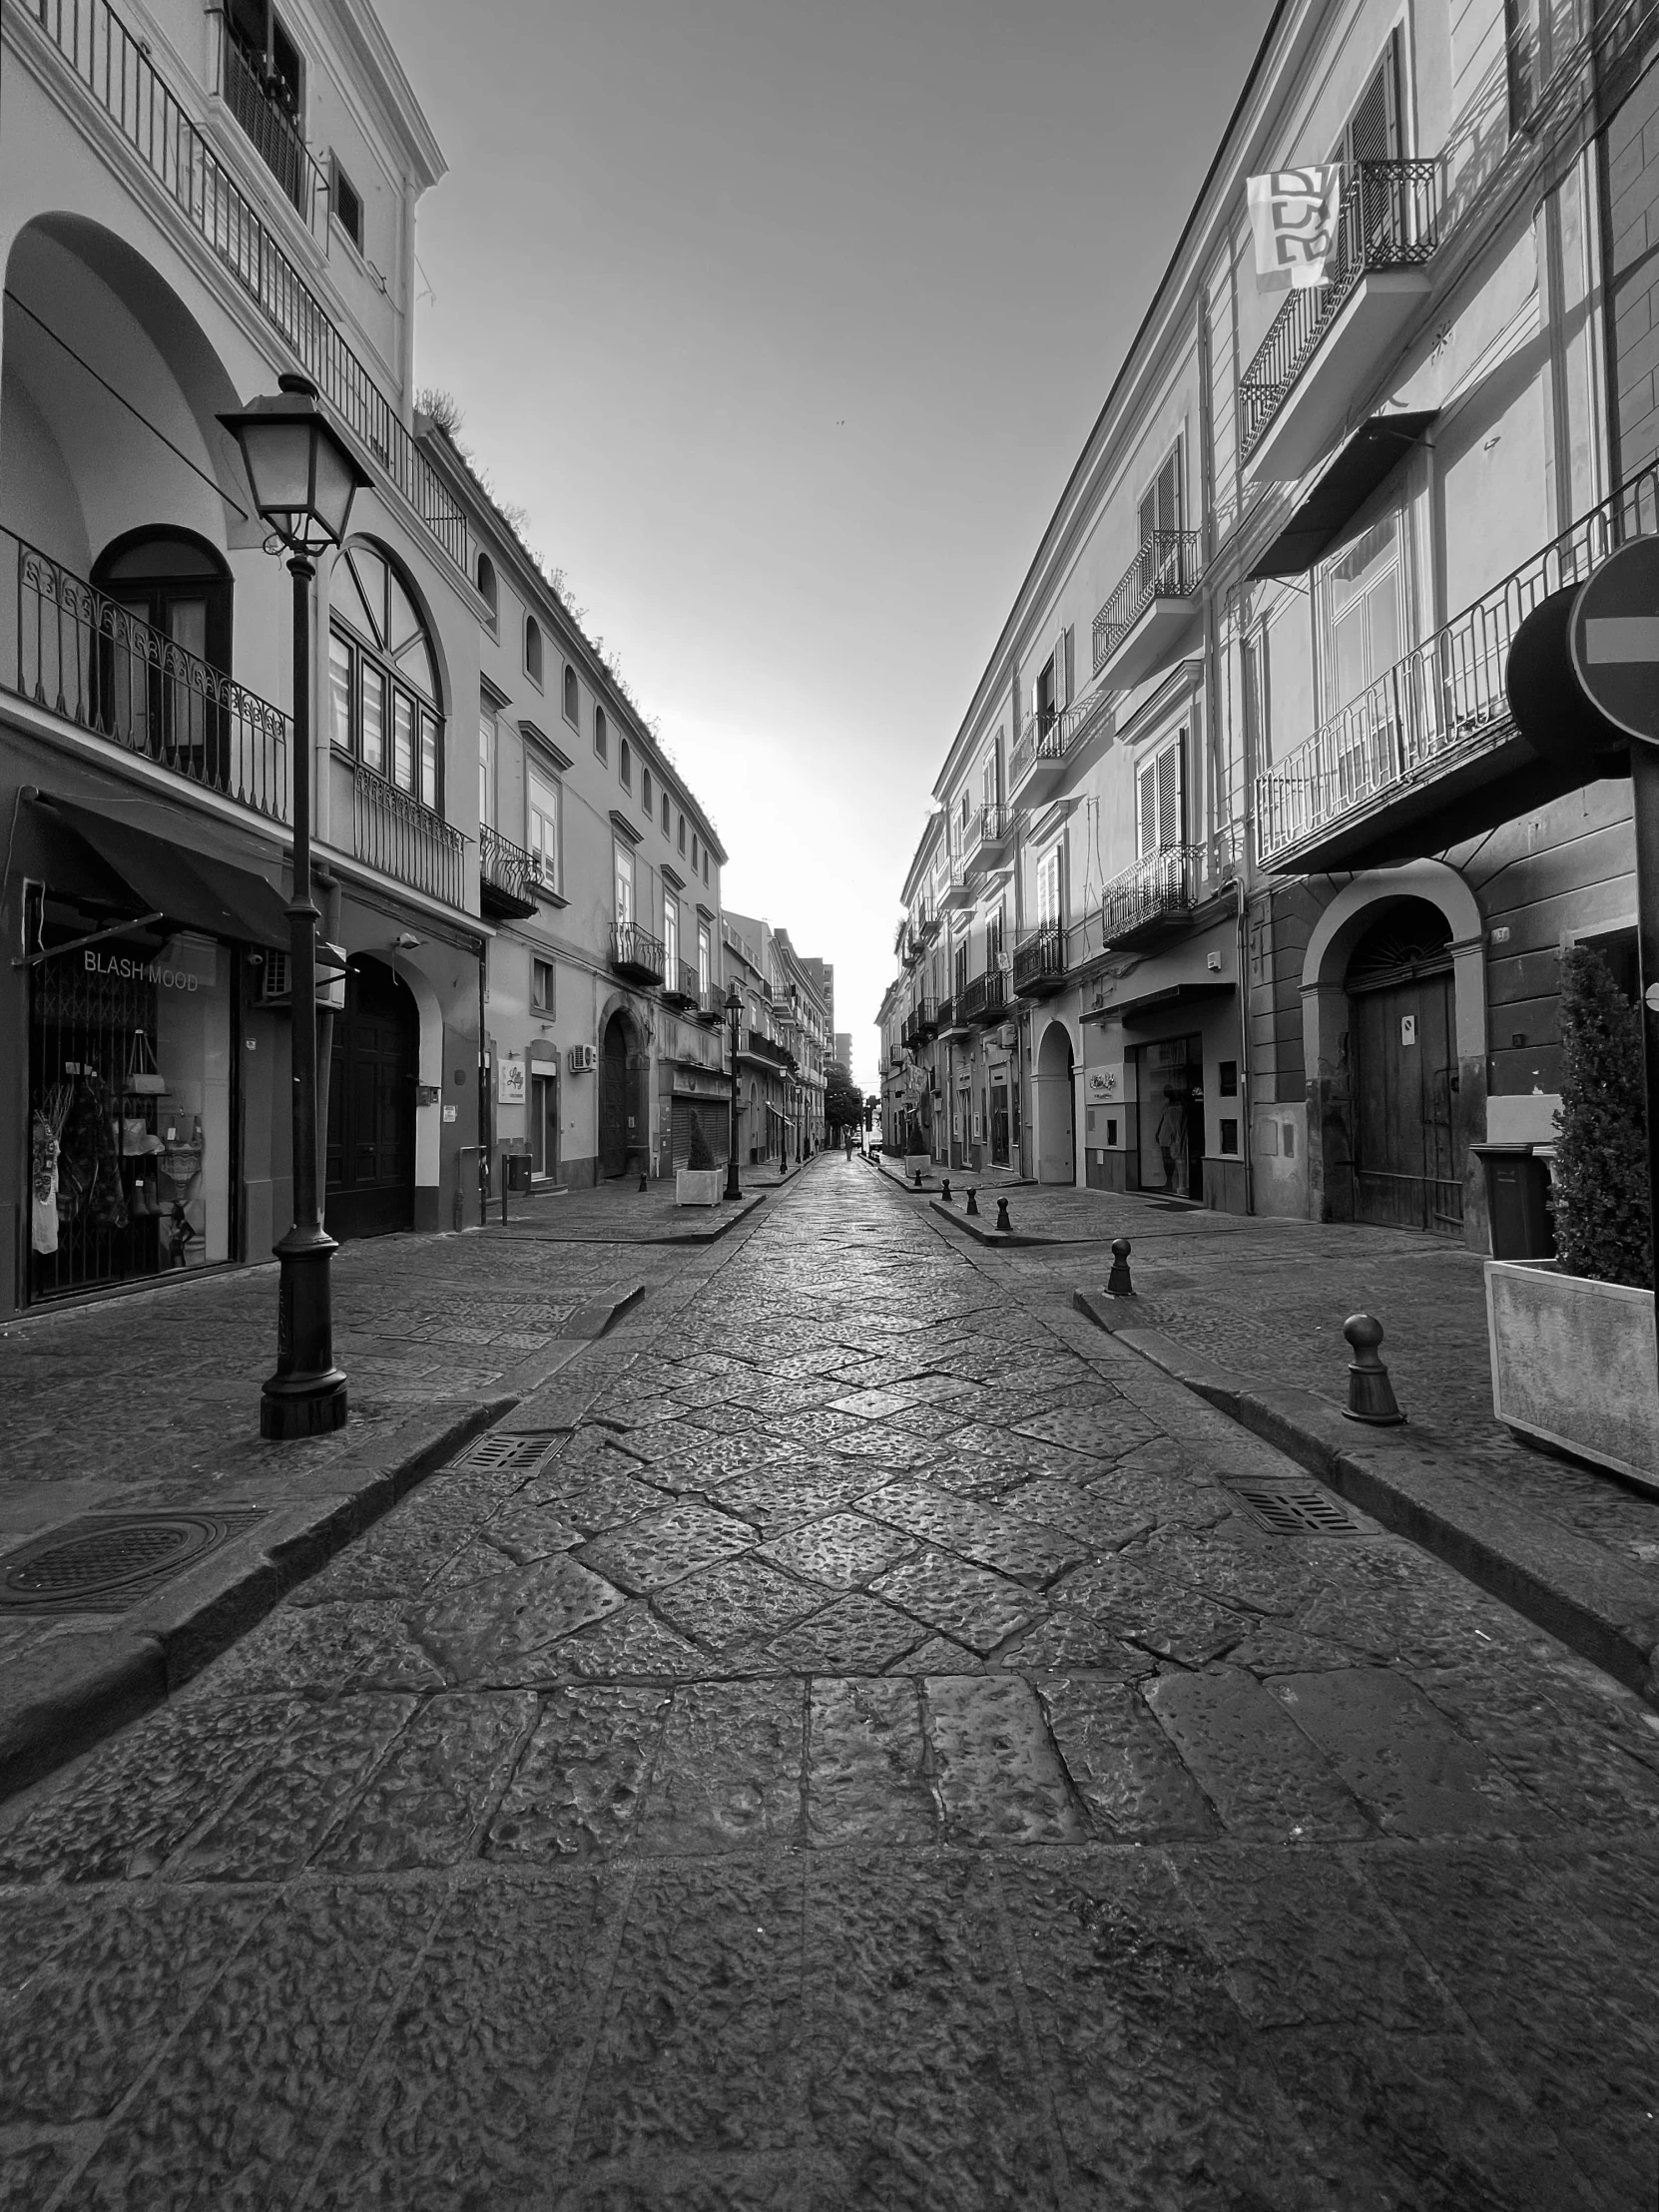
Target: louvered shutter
(1168, 765)
(1149, 514)
(1062, 669)
(1147, 797)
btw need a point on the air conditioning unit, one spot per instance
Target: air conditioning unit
(584, 1058)
(1005, 1037)
(275, 986)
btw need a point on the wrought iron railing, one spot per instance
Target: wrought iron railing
(1443, 702)
(114, 68)
(1166, 567)
(509, 867)
(763, 1047)
(84, 656)
(1390, 219)
(946, 1016)
(1050, 736)
(988, 825)
(276, 135)
(1040, 956)
(985, 998)
(1161, 886)
(635, 950)
(394, 832)
(681, 983)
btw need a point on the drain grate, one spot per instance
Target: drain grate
(1296, 1509)
(526, 1450)
(109, 1561)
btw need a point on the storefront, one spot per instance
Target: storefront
(701, 1100)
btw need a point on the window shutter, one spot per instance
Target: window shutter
(1149, 514)
(1062, 670)
(1169, 795)
(1169, 493)
(1373, 132)
(1147, 795)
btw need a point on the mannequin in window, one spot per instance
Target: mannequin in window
(1171, 1136)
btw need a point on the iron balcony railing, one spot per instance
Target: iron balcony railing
(1161, 886)
(1390, 219)
(637, 952)
(1050, 736)
(258, 105)
(710, 1007)
(114, 68)
(679, 984)
(985, 998)
(946, 1016)
(1445, 700)
(508, 868)
(763, 1047)
(394, 832)
(1040, 956)
(1166, 567)
(90, 659)
(988, 825)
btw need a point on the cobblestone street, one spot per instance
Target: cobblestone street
(857, 1736)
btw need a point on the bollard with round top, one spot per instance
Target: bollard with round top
(945, 1193)
(919, 1178)
(1371, 1395)
(1002, 1221)
(1118, 1284)
(974, 1202)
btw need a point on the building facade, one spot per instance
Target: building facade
(1242, 885)
(782, 1054)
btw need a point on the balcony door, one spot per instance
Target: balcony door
(1370, 134)
(1365, 621)
(1160, 522)
(1159, 799)
(179, 587)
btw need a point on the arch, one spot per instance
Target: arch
(624, 1090)
(386, 689)
(1055, 1097)
(488, 590)
(571, 702)
(532, 649)
(1353, 912)
(175, 580)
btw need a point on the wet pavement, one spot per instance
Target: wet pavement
(860, 1737)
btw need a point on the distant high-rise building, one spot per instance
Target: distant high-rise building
(822, 973)
(843, 1051)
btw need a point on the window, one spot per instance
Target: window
(488, 588)
(993, 940)
(671, 939)
(704, 959)
(961, 968)
(682, 832)
(1048, 888)
(624, 885)
(1158, 797)
(694, 848)
(486, 769)
(382, 676)
(1229, 1135)
(601, 734)
(1227, 1079)
(541, 824)
(705, 863)
(1520, 38)
(532, 649)
(541, 986)
(346, 203)
(1160, 514)
(570, 696)
(1364, 604)
(665, 814)
(644, 790)
(625, 765)
(268, 50)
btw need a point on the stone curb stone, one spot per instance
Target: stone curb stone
(1545, 1571)
(1001, 1239)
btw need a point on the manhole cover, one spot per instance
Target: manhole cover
(508, 1451)
(108, 1562)
(1296, 1510)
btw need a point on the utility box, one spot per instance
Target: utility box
(1517, 1200)
(516, 1167)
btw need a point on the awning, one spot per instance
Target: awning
(1132, 1011)
(1340, 489)
(191, 889)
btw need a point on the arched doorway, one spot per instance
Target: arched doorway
(1402, 1051)
(371, 1104)
(1056, 1108)
(621, 1098)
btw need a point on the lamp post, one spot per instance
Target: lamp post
(304, 479)
(733, 1021)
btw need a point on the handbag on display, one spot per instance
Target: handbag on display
(144, 1078)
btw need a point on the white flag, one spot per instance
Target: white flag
(1293, 215)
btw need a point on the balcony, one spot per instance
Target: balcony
(760, 1046)
(394, 832)
(991, 838)
(508, 877)
(955, 892)
(1328, 340)
(710, 1008)
(1042, 759)
(680, 985)
(259, 105)
(1151, 610)
(951, 1021)
(115, 70)
(636, 955)
(1430, 755)
(1154, 898)
(984, 1000)
(87, 659)
(1040, 962)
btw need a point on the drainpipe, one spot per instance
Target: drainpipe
(1246, 1132)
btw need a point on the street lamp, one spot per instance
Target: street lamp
(733, 1021)
(303, 478)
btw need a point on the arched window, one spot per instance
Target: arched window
(382, 676)
(532, 649)
(487, 586)
(178, 587)
(598, 732)
(570, 694)
(625, 765)
(175, 582)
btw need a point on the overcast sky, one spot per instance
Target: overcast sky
(786, 323)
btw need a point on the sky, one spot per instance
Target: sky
(784, 320)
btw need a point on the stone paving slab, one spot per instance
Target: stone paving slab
(1185, 1866)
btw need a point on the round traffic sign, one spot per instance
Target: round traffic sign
(1614, 637)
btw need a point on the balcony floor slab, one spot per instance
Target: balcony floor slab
(1314, 411)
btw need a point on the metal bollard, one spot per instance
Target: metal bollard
(1002, 1221)
(974, 1202)
(1118, 1284)
(945, 1193)
(919, 1178)
(1371, 1395)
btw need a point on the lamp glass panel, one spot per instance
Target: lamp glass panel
(278, 459)
(336, 487)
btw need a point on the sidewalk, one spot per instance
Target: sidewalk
(1250, 1311)
(143, 1411)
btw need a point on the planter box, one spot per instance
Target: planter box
(917, 1163)
(1573, 1365)
(699, 1186)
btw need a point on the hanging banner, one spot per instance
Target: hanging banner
(1292, 216)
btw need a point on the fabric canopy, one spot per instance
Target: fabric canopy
(191, 889)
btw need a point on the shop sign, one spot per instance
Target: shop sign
(510, 1083)
(999, 1073)
(1101, 1085)
(185, 964)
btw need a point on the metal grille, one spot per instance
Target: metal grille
(526, 1452)
(109, 1561)
(1296, 1509)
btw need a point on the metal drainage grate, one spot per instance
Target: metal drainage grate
(524, 1451)
(1295, 1510)
(109, 1561)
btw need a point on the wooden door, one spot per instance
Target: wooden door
(1404, 1064)
(372, 1101)
(615, 1098)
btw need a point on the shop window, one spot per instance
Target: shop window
(1111, 1129)
(541, 986)
(532, 649)
(1229, 1135)
(382, 676)
(1227, 1079)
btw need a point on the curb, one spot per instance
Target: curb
(69, 1691)
(1004, 1240)
(1544, 1570)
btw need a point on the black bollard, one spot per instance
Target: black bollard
(1371, 1395)
(945, 1193)
(644, 1182)
(919, 1178)
(1002, 1221)
(1118, 1284)
(974, 1202)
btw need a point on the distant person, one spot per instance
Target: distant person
(1171, 1135)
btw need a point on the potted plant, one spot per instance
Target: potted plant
(1573, 1338)
(699, 1182)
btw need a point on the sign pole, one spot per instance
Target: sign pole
(1644, 780)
